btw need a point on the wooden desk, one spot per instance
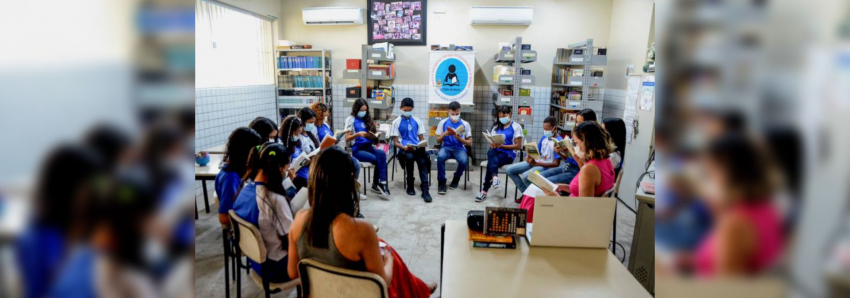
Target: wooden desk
(207, 173)
(529, 271)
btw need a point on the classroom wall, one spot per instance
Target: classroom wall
(631, 32)
(556, 24)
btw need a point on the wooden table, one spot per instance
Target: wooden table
(207, 173)
(529, 271)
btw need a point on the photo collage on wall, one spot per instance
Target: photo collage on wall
(400, 22)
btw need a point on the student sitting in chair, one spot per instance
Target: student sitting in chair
(407, 132)
(228, 182)
(360, 128)
(573, 157)
(323, 128)
(329, 233)
(263, 203)
(519, 172)
(503, 153)
(453, 142)
(266, 128)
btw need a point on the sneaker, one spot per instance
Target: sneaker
(384, 189)
(426, 196)
(495, 184)
(441, 189)
(410, 191)
(481, 196)
(454, 183)
(377, 189)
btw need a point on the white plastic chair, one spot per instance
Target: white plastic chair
(251, 244)
(324, 281)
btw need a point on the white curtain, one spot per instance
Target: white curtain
(232, 48)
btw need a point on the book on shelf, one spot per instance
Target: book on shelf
(531, 150)
(526, 111)
(494, 138)
(504, 221)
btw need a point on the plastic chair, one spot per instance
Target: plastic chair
(366, 170)
(612, 193)
(468, 156)
(321, 281)
(250, 242)
(503, 169)
(392, 177)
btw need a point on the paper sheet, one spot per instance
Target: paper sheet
(647, 93)
(630, 106)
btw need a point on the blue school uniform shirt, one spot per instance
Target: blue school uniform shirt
(452, 141)
(514, 130)
(407, 130)
(77, 279)
(540, 146)
(355, 125)
(246, 207)
(226, 186)
(40, 250)
(324, 130)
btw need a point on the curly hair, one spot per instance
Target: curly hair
(597, 141)
(321, 111)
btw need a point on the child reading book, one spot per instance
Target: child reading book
(540, 156)
(500, 153)
(452, 133)
(408, 135)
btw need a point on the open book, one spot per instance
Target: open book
(303, 160)
(494, 138)
(328, 141)
(541, 182)
(562, 144)
(457, 132)
(531, 150)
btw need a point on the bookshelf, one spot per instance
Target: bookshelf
(378, 66)
(508, 75)
(577, 81)
(303, 77)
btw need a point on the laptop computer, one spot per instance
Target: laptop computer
(571, 222)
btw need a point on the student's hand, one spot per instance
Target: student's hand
(549, 193)
(291, 173)
(563, 187)
(409, 148)
(493, 145)
(530, 160)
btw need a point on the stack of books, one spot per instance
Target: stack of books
(478, 239)
(299, 62)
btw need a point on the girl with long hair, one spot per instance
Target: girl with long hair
(360, 128)
(500, 154)
(329, 232)
(263, 202)
(233, 167)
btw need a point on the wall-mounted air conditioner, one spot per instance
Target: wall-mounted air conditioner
(332, 15)
(500, 15)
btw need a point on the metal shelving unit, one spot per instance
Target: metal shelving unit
(515, 57)
(312, 94)
(369, 56)
(583, 56)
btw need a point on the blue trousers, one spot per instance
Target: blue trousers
(495, 160)
(277, 270)
(356, 168)
(519, 172)
(563, 175)
(446, 153)
(377, 157)
(420, 157)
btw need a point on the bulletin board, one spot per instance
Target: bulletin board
(451, 77)
(402, 23)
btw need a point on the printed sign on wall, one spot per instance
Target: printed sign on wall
(451, 77)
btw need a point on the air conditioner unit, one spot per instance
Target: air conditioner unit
(332, 15)
(501, 15)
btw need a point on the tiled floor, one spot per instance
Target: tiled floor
(411, 226)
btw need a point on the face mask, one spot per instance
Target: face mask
(505, 120)
(294, 139)
(548, 133)
(361, 114)
(272, 140)
(311, 127)
(455, 118)
(407, 114)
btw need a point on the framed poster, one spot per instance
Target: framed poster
(401, 23)
(452, 75)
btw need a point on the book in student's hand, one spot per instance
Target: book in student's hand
(531, 150)
(541, 182)
(457, 132)
(494, 138)
(328, 141)
(422, 144)
(562, 144)
(303, 160)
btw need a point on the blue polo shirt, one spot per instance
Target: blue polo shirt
(355, 125)
(452, 141)
(511, 131)
(540, 146)
(226, 186)
(407, 130)
(324, 130)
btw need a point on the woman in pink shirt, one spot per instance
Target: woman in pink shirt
(747, 235)
(597, 173)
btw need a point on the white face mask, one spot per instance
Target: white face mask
(272, 140)
(454, 118)
(548, 133)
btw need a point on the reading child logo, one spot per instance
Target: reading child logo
(451, 77)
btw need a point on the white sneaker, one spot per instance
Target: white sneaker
(495, 184)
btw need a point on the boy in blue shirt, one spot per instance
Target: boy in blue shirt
(452, 146)
(406, 133)
(519, 172)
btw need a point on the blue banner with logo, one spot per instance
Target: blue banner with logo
(451, 77)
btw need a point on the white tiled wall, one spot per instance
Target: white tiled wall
(218, 111)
